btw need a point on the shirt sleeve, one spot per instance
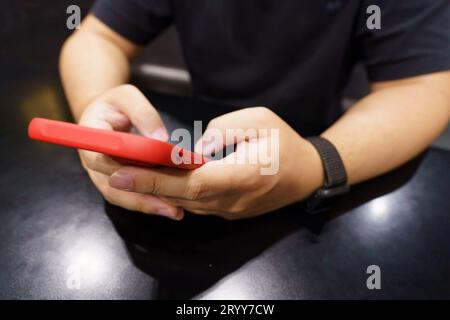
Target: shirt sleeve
(414, 38)
(139, 21)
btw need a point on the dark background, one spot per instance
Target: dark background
(32, 32)
(51, 215)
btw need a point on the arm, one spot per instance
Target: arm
(93, 60)
(94, 68)
(398, 120)
(394, 123)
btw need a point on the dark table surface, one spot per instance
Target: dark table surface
(58, 238)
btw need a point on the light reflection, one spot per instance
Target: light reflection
(379, 209)
(89, 261)
(235, 286)
(42, 100)
(230, 289)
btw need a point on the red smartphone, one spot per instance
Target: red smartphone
(126, 148)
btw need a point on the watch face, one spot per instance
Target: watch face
(332, 192)
(323, 198)
(316, 203)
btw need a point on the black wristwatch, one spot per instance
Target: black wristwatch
(335, 177)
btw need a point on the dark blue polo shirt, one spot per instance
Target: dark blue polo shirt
(293, 56)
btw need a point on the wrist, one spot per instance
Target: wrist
(312, 175)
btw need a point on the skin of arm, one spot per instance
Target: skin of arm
(395, 122)
(390, 126)
(94, 69)
(93, 60)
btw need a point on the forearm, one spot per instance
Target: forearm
(90, 64)
(389, 127)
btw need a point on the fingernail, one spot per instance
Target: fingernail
(121, 181)
(160, 134)
(180, 214)
(209, 150)
(206, 147)
(174, 214)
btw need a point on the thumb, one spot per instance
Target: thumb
(132, 102)
(232, 128)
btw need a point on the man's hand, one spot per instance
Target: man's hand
(94, 65)
(226, 188)
(122, 108)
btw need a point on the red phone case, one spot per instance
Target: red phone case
(125, 147)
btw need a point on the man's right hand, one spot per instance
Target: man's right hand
(122, 108)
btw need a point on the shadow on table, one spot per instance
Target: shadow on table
(188, 257)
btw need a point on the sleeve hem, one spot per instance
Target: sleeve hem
(127, 29)
(409, 68)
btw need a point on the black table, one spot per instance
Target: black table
(58, 238)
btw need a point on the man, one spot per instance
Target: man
(289, 59)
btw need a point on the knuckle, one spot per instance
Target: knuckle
(238, 209)
(195, 191)
(250, 180)
(83, 162)
(89, 162)
(140, 205)
(235, 210)
(251, 185)
(198, 211)
(129, 88)
(98, 159)
(108, 195)
(263, 110)
(153, 185)
(231, 216)
(262, 113)
(213, 123)
(96, 162)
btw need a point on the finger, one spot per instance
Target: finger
(118, 109)
(102, 115)
(184, 184)
(138, 109)
(98, 162)
(135, 201)
(233, 128)
(206, 207)
(207, 212)
(196, 207)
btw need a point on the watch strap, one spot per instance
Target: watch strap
(334, 170)
(335, 176)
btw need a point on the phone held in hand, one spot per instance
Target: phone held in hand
(124, 147)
